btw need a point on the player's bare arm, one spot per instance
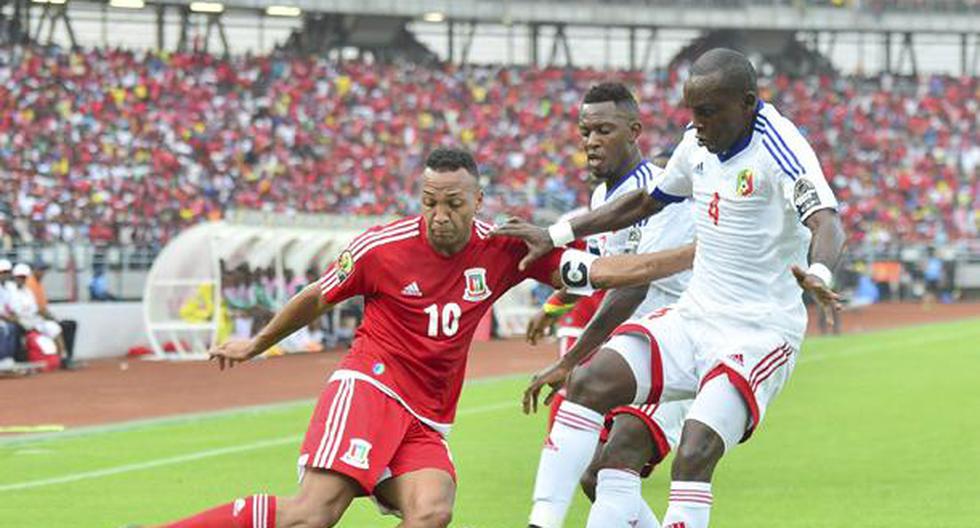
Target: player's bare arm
(826, 248)
(302, 309)
(620, 271)
(619, 213)
(616, 307)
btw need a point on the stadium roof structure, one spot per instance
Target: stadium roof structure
(758, 14)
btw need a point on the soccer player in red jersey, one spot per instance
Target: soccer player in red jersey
(378, 428)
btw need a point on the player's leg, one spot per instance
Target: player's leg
(638, 431)
(424, 497)
(629, 368)
(617, 471)
(420, 481)
(716, 422)
(605, 382)
(322, 499)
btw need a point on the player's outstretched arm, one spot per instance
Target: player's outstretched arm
(580, 270)
(302, 309)
(826, 248)
(617, 214)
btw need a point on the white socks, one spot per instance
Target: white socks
(618, 502)
(566, 454)
(690, 505)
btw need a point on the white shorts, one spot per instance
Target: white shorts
(664, 420)
(673, 355)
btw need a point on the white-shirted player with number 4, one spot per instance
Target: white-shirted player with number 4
(732, 339)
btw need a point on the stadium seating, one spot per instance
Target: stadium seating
(109, 146)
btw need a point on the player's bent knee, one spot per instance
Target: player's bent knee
(303, 513)
(431, 515)
(629, 447)
(699, 451)
(604, 383)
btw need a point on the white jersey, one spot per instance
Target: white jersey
(750, 203)
(673, 227)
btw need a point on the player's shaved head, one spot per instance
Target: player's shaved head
(733, 71)
(721, 92)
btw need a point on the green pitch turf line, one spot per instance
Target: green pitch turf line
(208, 453)
(131, 425)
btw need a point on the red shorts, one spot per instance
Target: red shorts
(358, 431)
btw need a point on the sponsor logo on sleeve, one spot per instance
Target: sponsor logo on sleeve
(805, 196)
(345, 265)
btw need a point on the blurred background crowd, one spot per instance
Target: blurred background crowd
(130, 147)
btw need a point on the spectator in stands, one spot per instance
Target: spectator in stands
(10, 334)
(294, 284)
(304, 134)
(68, 326)
(98, 286)
(25, 311)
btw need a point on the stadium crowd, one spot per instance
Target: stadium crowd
(118, 146)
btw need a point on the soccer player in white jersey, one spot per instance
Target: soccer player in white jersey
(635, 437)
(732, 339)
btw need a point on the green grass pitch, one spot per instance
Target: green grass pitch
(874, 430)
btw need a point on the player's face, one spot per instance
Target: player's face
(450, 200)
(608, 133)
(720, 115)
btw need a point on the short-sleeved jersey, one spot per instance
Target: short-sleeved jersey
(421, 309)
(750, 203)
(673, 227)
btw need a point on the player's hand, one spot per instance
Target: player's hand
(554, 377)
(537, 239)
(827, 298)
(538, 326)
(231, 352)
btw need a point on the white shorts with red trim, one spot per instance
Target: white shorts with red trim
(672, 354)
(662, 420)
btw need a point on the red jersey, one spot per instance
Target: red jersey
(422, 308)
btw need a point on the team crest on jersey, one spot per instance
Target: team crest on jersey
(357, 453)
(345, 265)
(476, 285)
(745, 183)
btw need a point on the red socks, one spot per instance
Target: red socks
(256, 511)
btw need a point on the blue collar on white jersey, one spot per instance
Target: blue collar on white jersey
(628, 175)
(744, 142)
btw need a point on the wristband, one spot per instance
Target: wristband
(822, 272)
(557, 309)
(561, 234)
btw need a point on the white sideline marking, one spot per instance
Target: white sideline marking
(208, 453)
(144, 423)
